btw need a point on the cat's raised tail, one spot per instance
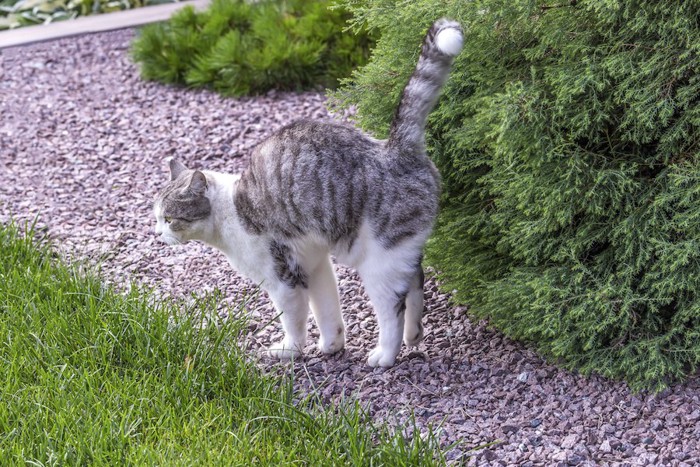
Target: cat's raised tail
(442, 43)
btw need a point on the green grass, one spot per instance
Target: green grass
(92, 376)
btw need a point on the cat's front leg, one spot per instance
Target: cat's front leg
(293, 306)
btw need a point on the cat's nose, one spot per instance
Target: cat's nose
(158, 229)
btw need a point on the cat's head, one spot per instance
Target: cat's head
(182, 209)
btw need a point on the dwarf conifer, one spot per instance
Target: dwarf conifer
(240, 47)
(568, 139)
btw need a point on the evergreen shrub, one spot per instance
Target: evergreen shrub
(567, 138)
(241, 47)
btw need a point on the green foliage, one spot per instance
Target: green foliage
(92, 376)
(567, 138)
(239, 47)
(17, 13)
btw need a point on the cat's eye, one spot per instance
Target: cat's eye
(168, 219)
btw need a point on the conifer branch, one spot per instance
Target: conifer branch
(571, 201)
(561, 5)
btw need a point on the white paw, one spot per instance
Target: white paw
(331, 347)
(284, 351)
(413, 336)
(381, 357)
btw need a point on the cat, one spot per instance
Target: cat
(314, 189)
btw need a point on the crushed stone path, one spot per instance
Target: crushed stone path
(82, 143)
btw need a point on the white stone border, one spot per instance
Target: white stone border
(94, 23)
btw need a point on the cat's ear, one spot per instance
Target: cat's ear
(198, 184)
(176, 168)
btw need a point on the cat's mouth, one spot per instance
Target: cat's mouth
(170, 240)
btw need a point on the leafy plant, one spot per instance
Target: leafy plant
(567, 138)
(17, 13)
(239, 47)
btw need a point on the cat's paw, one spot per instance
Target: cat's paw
(331, 346)
(381, 357)
(414, 336)
(284, 351)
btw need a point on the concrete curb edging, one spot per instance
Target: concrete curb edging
(96, 23)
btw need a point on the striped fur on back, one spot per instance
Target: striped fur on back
(326, 179)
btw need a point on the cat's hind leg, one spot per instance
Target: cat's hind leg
(389, 303)
(325, 305)
(388, 283)
(413, 326)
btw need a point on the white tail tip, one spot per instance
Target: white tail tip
(449, 41)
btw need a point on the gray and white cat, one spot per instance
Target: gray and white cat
(315, 189)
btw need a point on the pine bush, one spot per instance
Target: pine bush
(568, 141)
(241, 47)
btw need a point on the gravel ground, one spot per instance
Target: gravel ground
(82, 142)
